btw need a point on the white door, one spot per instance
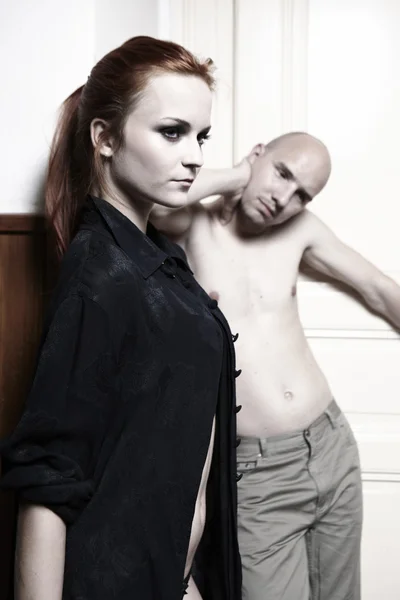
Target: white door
(332, 68)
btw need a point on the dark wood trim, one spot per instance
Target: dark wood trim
(23, 295)
(22, 223)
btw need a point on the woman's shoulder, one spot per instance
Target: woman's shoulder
(95, 267)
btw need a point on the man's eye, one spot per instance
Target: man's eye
(304, 198)
(282, 173)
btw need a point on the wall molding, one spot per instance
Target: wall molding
(378, 439)
(378, 476)
(294, 24)
(21, 223)
(336, 311)
(352, 334)
(206, 27)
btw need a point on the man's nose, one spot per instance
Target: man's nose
(282, 197)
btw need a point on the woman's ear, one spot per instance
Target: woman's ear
(100, 139)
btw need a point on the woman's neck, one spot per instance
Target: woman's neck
(138, 212)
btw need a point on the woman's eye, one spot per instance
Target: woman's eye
(171, 133)
(203, 139)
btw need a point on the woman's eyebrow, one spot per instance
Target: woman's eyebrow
(185, 124)
(180, 121)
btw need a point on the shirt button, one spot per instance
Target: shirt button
(238, 408)
(212, 304)
(237, 373)
(238, 440)
(307, 433)
(238, 477)
(235, 337)
(168, 269)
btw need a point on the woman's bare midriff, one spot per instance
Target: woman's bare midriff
(199, 518)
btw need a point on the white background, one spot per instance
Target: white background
(47, 50)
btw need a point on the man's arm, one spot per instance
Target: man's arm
(209, 182)
(330, 256)
(229, 183)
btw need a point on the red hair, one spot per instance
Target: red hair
(111, 92)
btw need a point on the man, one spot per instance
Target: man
(299, 496)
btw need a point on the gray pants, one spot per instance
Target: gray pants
(300, 513)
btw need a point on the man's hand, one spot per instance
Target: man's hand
(243, 171)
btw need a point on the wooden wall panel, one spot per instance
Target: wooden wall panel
(22, 298)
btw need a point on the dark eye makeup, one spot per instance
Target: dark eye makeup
(173, 133)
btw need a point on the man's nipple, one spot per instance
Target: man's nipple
(214, 295)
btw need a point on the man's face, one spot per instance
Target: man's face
(285, 178)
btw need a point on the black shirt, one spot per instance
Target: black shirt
(135, 361)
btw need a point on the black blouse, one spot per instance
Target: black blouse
(135, 361)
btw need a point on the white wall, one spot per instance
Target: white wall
(119, 20)
(331, 67)
(206, 27)
(47, 50)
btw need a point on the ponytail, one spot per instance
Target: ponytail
(66, 187)
(111, 92)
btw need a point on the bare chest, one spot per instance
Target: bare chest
(257, 275)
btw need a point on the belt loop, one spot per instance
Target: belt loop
(331, 418)
(263, 447)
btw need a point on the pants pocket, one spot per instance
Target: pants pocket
(348, 436)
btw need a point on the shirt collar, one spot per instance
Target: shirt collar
(149, 251)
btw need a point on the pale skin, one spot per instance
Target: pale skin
(251, 265)
(150, 169)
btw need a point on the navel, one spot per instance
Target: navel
(288, 395)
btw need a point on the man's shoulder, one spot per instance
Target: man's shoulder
(308, 219)
(312, 228)
(303, 227)
(291, 238)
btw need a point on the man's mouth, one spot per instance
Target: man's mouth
(266, 209)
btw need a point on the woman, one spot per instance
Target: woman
(131, 414)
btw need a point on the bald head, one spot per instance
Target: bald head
(307, 155)
(293, 137)
(287, 174)
(297, 143)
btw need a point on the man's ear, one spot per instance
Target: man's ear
(256, 151)
(100, 137)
